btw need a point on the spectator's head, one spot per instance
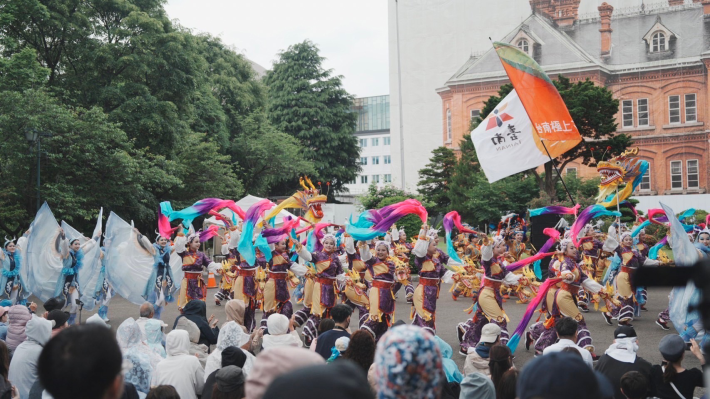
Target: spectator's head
(235, 309)
(275, 362)
(196, 308)
(4, 360)
(60, 319)
(233, 356)
(567, 328)
(555, 375)
(325, 325)
(67, 370)
(408, 363)
(277, 324)
(19, 316)
(177, 343)
(341, 314)
(53, 304)
(361, 349)
(672, 348)
(147, 310)
(507, 384)
(96, 319)
(163, 392)
(39, 330)
(229, 383)
(340, 346)
(623, 332)
(154, 332)
(341, 379)
(490, 334)
(499, 361)
(634, 385)
(192, 330)
(573, 351)
(128, 334)
(4, 312)
(477, 386)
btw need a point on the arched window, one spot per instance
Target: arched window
(658, 43)
(524, 46)
(448, 124)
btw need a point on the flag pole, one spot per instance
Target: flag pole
(542, 142)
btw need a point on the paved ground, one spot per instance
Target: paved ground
(449, 313)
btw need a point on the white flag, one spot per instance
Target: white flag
(505, 141)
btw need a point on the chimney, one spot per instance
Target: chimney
(605, 11)
(675, 2)
(706, 7)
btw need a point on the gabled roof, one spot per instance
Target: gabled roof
(579, 49)
(658, 26)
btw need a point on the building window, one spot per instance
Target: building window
(674, 109)
(363, 179)
(627, 113)
(524, 46)
(363, 160)
(363, 142)
(387, 159)
(691, 114)
(658, 43)
(642, 111)
(676, 175)
(375, 160)
(386, 141)
(475, 113)
(645, 184)
(571, 172)
(693, 177)
(375, 178)
(375, 142)
(448, 124)
(388, 178)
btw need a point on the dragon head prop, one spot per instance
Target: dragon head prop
(310, 200)
(626, 169)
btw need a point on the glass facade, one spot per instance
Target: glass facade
(373, 113)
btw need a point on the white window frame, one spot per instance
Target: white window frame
(363, 179)
(646, 175)
(680, 167)
(639, 113)
(670, 110)
(694, 108)
(387, 159)
(448, 125)
(375, 141)
(376, 179)
(659, 42)
(388, 178)
(697, 173)
(363, 143)
(627, 113)
(570, 169)
(376, 160)
(386, 141)
(363, 160)
(524, 46)
(475, 113)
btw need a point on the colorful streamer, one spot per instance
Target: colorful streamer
(555, 210)
(377, 222)
(212, 231)
(246, 243)
(534, 303)
(589, 213)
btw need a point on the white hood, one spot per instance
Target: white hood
(39, 330)
(177, 343)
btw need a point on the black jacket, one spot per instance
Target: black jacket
(196, 312)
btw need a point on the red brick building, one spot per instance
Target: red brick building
(654, 58)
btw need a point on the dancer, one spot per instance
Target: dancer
(431, 263)
(245, 287)
(402, 249)
(73, 259)
(328, 272)
(103, 292)
(161, 285)
(193, 262)
(12, 284)
(561, 302)
(590, 260)
(355, 291)
(228, 271)
(277, 298)
(490, 301)
(381, 295)
(631, 259)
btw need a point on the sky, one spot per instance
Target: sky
(351, 35)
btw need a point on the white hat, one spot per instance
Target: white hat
(490, 333)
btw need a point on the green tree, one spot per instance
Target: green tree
(310, 104)
(434, 179)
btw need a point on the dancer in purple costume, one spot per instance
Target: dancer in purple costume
(193, 262)
(381, 295)
(490, 300)
(277, 298)
(329, 271)
(430, 262)
(245, 287)
(356, 264)
(399, 237)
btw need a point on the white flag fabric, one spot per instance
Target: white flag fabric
(505, 141)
